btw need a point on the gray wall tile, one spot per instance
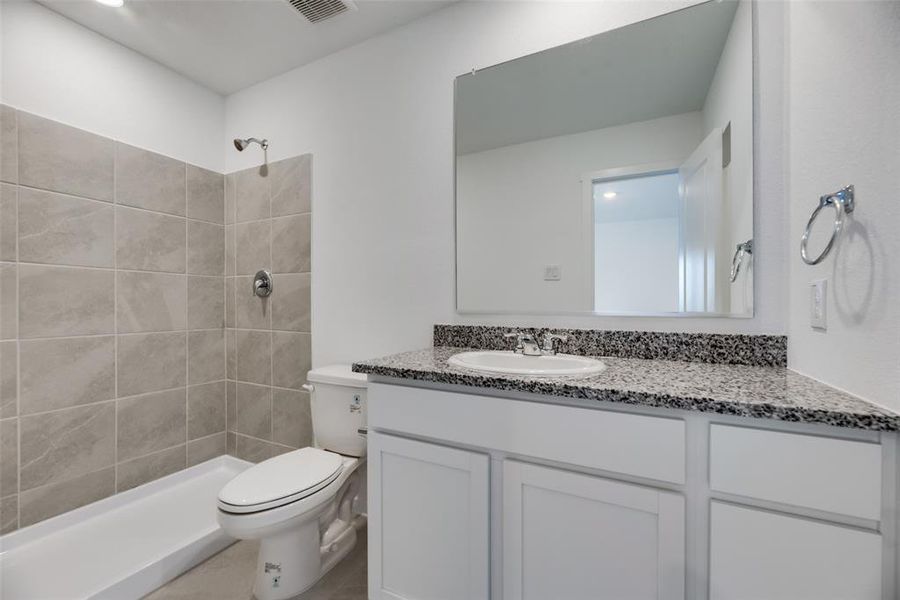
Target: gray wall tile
(9, 383)
(62, 373)
(9, 141)
(230, 192)
(56, 157)
(149, 241)
(9, 514)
(58, 301)
(230, 353)
(64, 230)
(150, 423)
(148, 468)
(206, 409)
(80, 250)
(252, 449)
(151, 302)
(9, 299)
(291, 359)
(51, 500)
(230, 317)
(254, 355)
(291, 244)
(291, 420)
(206, 248)
(230, 404)
(206, 302)
(8, 221)
(229, 249)
(151, 362)
(203, 449)
(291, 185)
(254, 410)
(149, 180)
(205, 195)
(9, 456)
(206, 356)
(291, 305)
(251, 311)
(251, 195)
(60, 445)
(252, 245)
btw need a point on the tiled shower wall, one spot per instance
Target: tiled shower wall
(268, 339)
(112, 302)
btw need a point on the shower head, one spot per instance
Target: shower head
(241, 144)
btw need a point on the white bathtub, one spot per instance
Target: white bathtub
(124, 546)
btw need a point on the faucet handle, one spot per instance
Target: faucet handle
(519, 337)
(549, 342)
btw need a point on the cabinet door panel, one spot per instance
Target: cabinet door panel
(428, 524)
(759, 555)
(570, 536)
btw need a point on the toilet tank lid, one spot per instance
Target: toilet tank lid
(337, 375)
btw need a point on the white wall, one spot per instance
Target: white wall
(57, 69)
(378, 119)
(844, 127)
(730, 100)
(521, 208)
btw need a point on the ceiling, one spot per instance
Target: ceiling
(228, 45)
(652, 69)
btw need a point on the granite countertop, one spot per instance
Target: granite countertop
(741, 390)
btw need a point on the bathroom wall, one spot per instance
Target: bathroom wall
(55, 68)
(268, 339)
(844, 69)
(112, 359)
(379, 119)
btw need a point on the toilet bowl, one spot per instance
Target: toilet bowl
(305, 506)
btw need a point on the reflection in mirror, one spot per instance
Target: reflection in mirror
(613, 175)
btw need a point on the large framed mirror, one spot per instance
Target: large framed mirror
(613, 175)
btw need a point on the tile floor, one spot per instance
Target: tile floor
(229, 576)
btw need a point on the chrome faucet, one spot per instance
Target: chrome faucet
(527, 344)
(550, 340)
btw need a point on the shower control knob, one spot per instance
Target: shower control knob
(263, 283)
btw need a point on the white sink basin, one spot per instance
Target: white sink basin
(492, 361)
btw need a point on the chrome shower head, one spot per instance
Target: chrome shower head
(241, 144)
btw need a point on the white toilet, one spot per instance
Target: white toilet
(305, 506)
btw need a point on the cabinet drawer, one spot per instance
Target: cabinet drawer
(651, 447)
(829, 474)
(757, 555)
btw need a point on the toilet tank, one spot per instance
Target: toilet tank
(338, 406)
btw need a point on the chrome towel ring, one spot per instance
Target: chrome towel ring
(843, 203)
(738, 259)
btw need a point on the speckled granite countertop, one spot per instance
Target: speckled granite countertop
(747, 391)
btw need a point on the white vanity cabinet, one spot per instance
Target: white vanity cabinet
(476, 496)
(570, 535)
(430, 532)
(756, 554)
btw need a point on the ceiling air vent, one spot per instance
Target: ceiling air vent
(319, 10)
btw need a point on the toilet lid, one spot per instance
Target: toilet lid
(280, 480)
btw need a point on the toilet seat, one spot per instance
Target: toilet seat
(280, 480)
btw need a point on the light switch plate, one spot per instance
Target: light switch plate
(552, 273)
(818, 304)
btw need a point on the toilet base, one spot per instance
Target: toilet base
(292, 562)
